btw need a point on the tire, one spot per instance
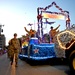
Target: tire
(72, 63)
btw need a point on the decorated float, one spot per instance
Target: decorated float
(39, 46)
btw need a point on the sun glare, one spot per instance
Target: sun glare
(12, 22)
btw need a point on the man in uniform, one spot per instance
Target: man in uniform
(15, 49)
(9, 50)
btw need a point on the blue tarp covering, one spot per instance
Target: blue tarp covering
(33, 41)
(39, 51)
(43, 50)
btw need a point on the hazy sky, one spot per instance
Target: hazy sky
(16, 14)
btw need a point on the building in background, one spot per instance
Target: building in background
(2, 41)
(2, 38)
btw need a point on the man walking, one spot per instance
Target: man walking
(15, 49)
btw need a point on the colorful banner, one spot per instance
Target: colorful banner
(53, 16)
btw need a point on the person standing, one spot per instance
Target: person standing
(15, 49)
(31, 32)
(53, 32)
(9, 49)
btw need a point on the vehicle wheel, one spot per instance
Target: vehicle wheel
(72, 62)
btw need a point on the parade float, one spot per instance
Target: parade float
(64, 41)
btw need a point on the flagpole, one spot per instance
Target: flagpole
(34, 24)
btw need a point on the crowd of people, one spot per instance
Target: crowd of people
(52, 33)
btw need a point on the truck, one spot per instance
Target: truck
(65, 46)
